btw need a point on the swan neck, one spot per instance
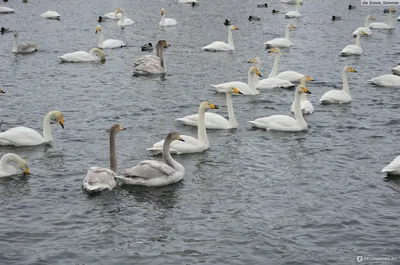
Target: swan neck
(101, 39)
(231, 113)
(4, 161)
(287, 34)
(366, 24)
(15, 42)
(274, 71)
(201, 130)
(252, 81)
(113, 152)
(167, 155)
(390, 19)
(160, 54)
(358, 39)
(298, 114)
(345, 83)
(298, 7)
(163, 19)
(230, 38)
(46, 127)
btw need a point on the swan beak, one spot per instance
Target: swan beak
(162, 12)
(305, 90)
(271, 51)
(98, 29)
(293, 27)
(237, 91)
(258, 73)
(118, 11)
(181, 139)
(213, 106)
(61, 121)
(121, 128)
(372, 18)
(1, 91)
(235, 28)
(353, 70)
(251, 61)
(26, 171)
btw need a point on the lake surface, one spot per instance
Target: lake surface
(254, 197)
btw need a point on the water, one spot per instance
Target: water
(254, 197)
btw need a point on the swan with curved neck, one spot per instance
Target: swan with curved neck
(283, 122)
(23, 47)
(281, 42)
(107, 44)
(215, 121)
(381, 25)
(306, 106)
(354, 49)
(366, 28)
(82, 56)
(191, 144)
(166, 21)
(293, 14)
(220, 46)
(124, 21)
(23, 136)
(339, 96)
(8, 167)
(97, 178)
(245, 89)
(156, 173)
(152, 64)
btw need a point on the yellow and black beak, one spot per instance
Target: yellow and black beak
(213, 106)
(181, 139)
(1, 91)
(237, 91)
(305, 90)
(251, 61)
(121, 128)
(61, 121)
(26, 171)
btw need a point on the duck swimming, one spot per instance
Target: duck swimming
(274, 11)
(228, 22)
(101, 19)
(351, 7)
(263, 5)
(195, 3)
(336, 18)
(254, 18)
(5, 30)
(147, 47)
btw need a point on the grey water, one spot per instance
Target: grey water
(254, 197)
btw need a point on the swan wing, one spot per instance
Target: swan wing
(277, 123)
(191, 145)
(352, 50)
(368, 31)
(379, 25)
(79, 56)
(111, 43)
(292, 14)
(218, 46)
(98, 179)
(50, 15)
(273, 82)
(243, 87)
(212, 120)
(21, 136)
(396, 70)
(148, 68)
(113, 15)
(386, 80)
(393, 166)
(335, 96)
(27, 47)
(290, 76)
(278, 42)
(6, 10)
(148, 169)
(306, 107)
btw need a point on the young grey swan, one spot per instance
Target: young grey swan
(97, 178)
(23, 47)
(153, 173)
(152, 64)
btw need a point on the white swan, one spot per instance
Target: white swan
(393, 168)
(257, 62)
(51, 15)
(306, 106)
(124, 21)
(191, 144)
(283, 122)
(354, 49)
(245, 89)
(98, 178)
(152, 64)
(113, 15)
(290, 76)
(187, 1)
(289, 1)
(366, 28)
(386, 80)
(107, 44)
(398, 19)
(281, 42)
(23, 136)
(6, 10)
(272, 81)
(339, 96)
(166, 21)
(23, 47)
(8, 167)
(381, 25)
(82, 56)
(292, 14)
(396, 70)
(213, 120)
(220, 46)
(155, 173)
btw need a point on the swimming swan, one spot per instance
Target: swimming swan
(381, 25)
(152, 64)
(8, 167)
(245, 89)
(283, 122)
(354, 49)
(281, 42)
(191, 144)
(51, 15)
(153, 173)
(23, 136)
(166, 21)
(6, 10)
(366, 28)
(220, 46)
(107, 44)
(292, 14)
(396, 70)
(393, 168)
(386, 80)
(306, 106)
(339, 96)
(113, 15)
(82, 56)
(257, 62)
(187, 1)
(23, 47)
(124, 21)
(98, 178)
(213, 120)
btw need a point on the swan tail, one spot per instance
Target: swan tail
(155, 150)
(257, 124)
(94, 188)
(218, 89)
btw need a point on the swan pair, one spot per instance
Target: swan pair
(306, 106)
(366, 28)
(381, 25)
(339, 96)
(23, 47)
(294, 14)
(107, 44)
(51, 15)
(152, 64)
(191, 144)
(247, 89)
(281, 42)
(220, 46)
(354, 49)
(23, 136)
(283, 122)
(82, 56)
(166, 21)
(12, 164)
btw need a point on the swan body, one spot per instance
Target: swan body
(293, 14)
(97, 178)
(396, 70)
(306, 106)
(113, 15)
(12, 164)
(51, 15)
(381, 25)
(23, 47)
(245, 89)
(124, 21)
(6, 10)
(187, 1)
(281, 42)
(215, 121)
(155, 173)
(393, 168)
(152, 64)
(166, 21)
(285, 123)
(386, 80)
(191, 144)
(354, 49)
(398, 19)
(339, 96)
(220, 46)
(107, 44)
(82, 56)
(366, 28)
(290, 76)
(289, 1)
(23, 136)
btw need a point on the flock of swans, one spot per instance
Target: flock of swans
(156, 173)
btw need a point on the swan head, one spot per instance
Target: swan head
(274, 50)
(302, 89)
(307, 78)
(233, 27)
(254, 60)
(300, 2)
(290, 26)
(162, 43)
(59, 117)
(98, 29)
(162, 11)
(15, 33)
(363, 33)
(371, 18)
(21, 163)
(208, 105)
(393, 10)
(349, 69)
(2, 91)
(116, 128)
(119, 10)
(175, 136)
(254, 70)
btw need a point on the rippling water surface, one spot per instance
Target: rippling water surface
(254, 197)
